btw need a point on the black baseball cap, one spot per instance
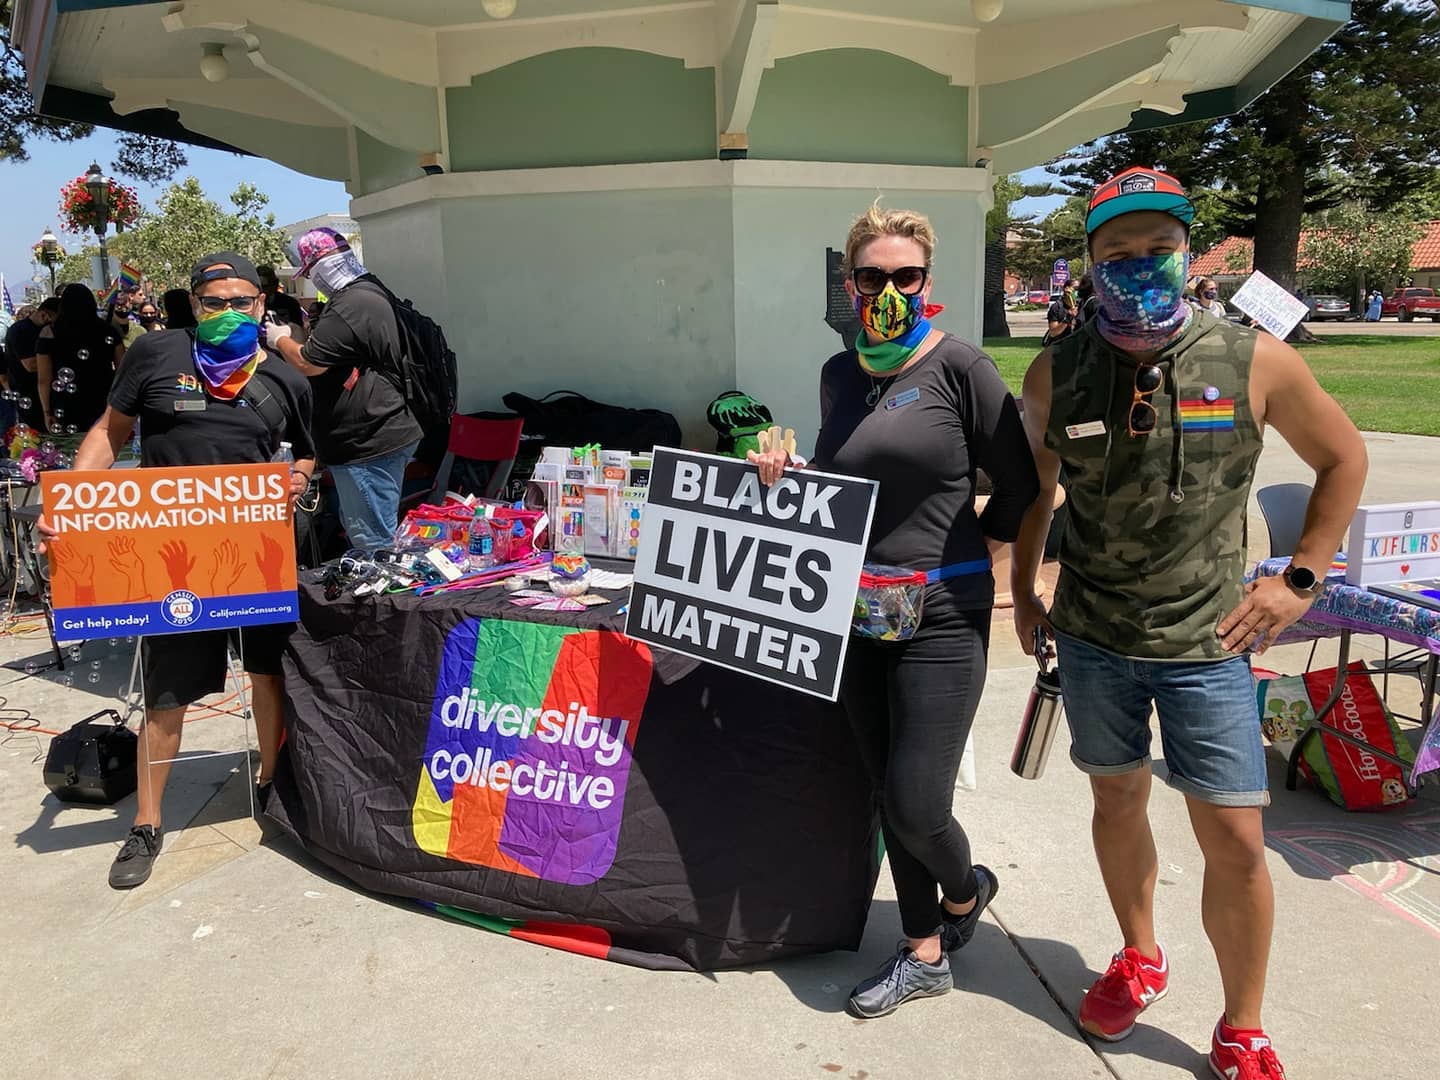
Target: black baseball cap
(222, 265)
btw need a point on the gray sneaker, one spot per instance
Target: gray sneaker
(903, 977)
(136, 859)
(959, 929)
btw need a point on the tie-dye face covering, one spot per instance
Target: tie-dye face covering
(1142, 301)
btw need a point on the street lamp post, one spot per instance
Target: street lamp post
(99, 187)
(50, 255)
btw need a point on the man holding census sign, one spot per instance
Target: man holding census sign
(167, 547)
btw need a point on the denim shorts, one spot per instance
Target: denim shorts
(1209, 722)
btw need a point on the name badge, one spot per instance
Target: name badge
(189, 404)
(1084, 431)
(900, 400)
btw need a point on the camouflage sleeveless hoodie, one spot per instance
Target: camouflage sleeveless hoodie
(1153, 552)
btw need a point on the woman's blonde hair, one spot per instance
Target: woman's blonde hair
(876, 222)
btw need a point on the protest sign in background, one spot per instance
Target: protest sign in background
(760, 580)
(164, 551)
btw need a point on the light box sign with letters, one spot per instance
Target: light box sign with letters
(759, 580)
(169, 550)
(1393, 543)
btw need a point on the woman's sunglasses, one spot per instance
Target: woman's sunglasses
(1143, 416)
(871, 280)
(220, 303)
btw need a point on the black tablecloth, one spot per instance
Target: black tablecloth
(742, 828)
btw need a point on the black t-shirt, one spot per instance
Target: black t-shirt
(931, 427)
(286, 307)
(158, 383)
(1058, 312)
(90, 353)
(20, 340)
(359, 414)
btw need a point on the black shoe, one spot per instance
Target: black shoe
(959, 929)
(903, 977)
(137, 857)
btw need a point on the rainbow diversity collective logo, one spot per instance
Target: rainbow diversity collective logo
(529, 748)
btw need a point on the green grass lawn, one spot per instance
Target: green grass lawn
(1384, 383)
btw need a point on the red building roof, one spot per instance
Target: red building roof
(1234, 256)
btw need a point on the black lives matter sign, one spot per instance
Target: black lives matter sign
(760, 580)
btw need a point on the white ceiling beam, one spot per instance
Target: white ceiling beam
(944, 48)
(265, 97)
(1009, 51)
(744, 60)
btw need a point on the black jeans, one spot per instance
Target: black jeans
(911, 707)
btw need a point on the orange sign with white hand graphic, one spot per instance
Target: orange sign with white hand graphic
(165, 551)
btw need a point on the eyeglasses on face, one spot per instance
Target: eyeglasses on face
(871, 280)
(1143, 416)
(220, 303)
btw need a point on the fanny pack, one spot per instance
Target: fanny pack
(891, 599)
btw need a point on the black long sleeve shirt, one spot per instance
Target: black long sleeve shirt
(930, 428)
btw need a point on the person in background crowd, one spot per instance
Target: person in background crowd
(209, 366)
(1089, 303)
(149, 316)
(1373, 305)
(1060, 318)
(21, 341)
(178, 315)
(279, 304)
(121, 315)
(87, 349)
(1156, 412)
(1207, 297)
(920, 411)
(363, 429)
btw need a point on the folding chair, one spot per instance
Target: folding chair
(491, 440)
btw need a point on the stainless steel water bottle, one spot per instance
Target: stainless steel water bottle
(1042, 717)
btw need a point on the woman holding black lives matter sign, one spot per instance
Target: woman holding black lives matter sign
(918, 411)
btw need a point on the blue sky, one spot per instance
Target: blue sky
(30, 192)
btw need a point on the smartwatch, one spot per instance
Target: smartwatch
(1302, 578)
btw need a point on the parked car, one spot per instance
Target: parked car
(1039, 296)
(1326, 306)
(1409, 302)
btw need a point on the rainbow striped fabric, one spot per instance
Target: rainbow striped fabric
(1200, 415)
(129, 280)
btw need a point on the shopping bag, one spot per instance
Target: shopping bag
(1352, 778)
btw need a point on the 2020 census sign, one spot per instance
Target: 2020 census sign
(529, 747)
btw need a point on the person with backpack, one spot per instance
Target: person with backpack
(366, 430)
(209, 395)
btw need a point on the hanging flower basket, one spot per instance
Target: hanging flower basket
(77, 208)
(37, 254)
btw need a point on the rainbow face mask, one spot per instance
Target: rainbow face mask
(1142, 301)
(891, 314)
(227, 350)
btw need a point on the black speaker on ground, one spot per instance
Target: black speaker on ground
(93, 762)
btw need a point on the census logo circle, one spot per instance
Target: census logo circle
(180, 608)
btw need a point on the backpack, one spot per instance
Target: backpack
(426, 374)
(737, 418)
(565, 418)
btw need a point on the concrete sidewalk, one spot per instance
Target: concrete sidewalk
(242, 957)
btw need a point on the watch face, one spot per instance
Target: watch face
(1302, 577)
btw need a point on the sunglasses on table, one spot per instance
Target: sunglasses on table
(220, 303)
(1143, 416)
(871, 280)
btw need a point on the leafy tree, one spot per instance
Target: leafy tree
(1356, 120)
(186, 225)
(1000, 222)
(1348, 250)
(137, 156)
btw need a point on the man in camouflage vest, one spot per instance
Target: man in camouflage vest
(1156, 411)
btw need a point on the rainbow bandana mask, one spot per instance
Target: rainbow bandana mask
(1142, 301)
(227, 351)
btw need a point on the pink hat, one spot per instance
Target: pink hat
(314, 246)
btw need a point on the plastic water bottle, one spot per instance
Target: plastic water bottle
(284, 455)
(482, 541)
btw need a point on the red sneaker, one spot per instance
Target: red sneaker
(1130, 986)
(1243, 1055)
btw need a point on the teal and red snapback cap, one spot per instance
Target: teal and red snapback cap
(1138, 188)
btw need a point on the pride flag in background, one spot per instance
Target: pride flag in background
(129, 280)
